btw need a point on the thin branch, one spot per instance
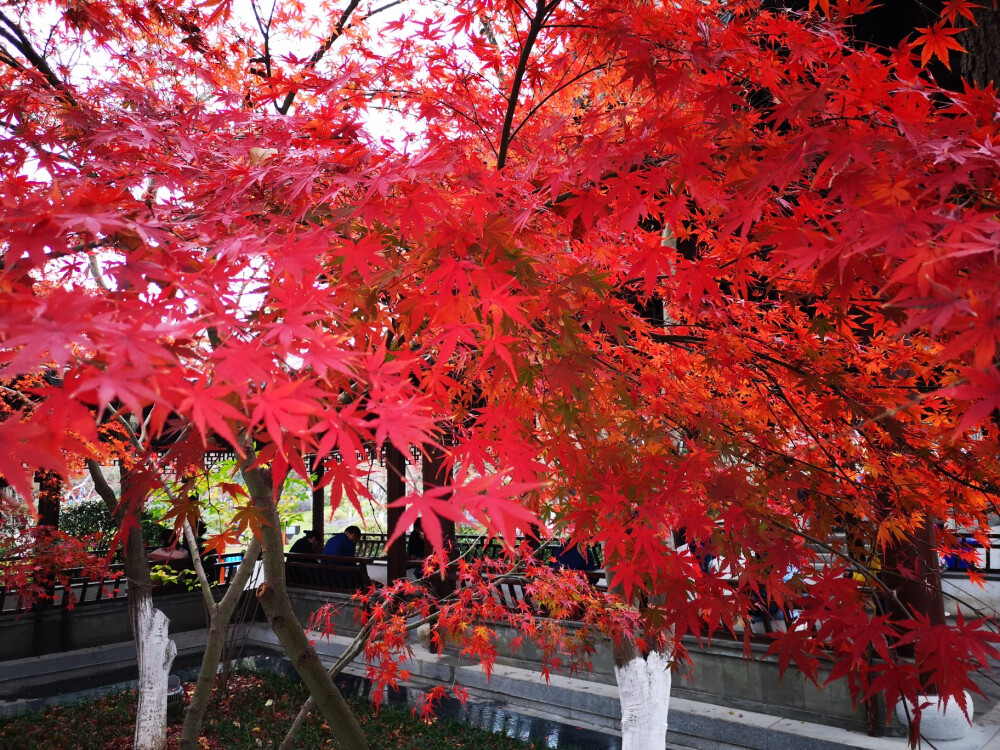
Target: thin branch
(889, 414)
(6, 58)
(199, 568)
(677, 339)
(265, 31)
(524, 9)
(537, 22)
(385, 7)
(869, 574)
(22, 397)
(338, 30)
(23, 45)
(48, 40)
(95, 271)
(820, 443)
(101, 485)
(4, 34)
(136, 442)
(192, 542)
(356, 646)
(541, 103)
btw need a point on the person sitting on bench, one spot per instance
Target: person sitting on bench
(343, 544)
(569, 557)
(417, 546)
(307, 545)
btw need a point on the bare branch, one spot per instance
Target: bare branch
(338, 30)
(552, 93)
(542, 11)
(385, 7)
(6, 59)
(23, 44)
(95, 271)
(199, 568)
(4, 34)
(265, 31)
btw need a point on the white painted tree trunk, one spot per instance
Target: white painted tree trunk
(155, 653)
(644, 693)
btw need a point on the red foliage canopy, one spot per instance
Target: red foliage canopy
(639, 266)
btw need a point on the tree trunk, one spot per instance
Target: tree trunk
(981, 64)
(220, 615)
(154, 650)
(644, 679)
(347, 733)
(644, 693)
(155, 653)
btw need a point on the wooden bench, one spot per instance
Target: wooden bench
(344, 575)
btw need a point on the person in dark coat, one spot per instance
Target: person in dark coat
(570, 558)
(307, 545)
(343, 544)
(417, 547)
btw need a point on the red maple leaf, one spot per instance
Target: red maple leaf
(936, 41)
(954, 8)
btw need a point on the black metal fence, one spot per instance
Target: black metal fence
(469, 546)
(79, 591)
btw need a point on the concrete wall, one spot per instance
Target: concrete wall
(91, 625)
(31, 683)
(102, 623)
(306, 602)
(720, 674)
(962, 595)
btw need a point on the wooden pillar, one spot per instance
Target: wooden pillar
(395, 468)
(919, 593)
(49, 497)
(912, 571)
(437, 473)
(318, 504)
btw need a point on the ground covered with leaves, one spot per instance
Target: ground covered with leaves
(255, 711)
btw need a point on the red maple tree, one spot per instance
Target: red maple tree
(637, 268)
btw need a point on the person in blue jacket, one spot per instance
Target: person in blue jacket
(343, 544)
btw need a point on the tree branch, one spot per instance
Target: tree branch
(101, 485)
(556, 90)
(338, 30)
(6, 59)
(23, 45)
(542, 10)
(199, 568)
(382, 8)
(95, 271)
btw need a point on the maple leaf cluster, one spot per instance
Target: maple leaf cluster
(37, 560)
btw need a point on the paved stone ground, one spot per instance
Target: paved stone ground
(987, 706)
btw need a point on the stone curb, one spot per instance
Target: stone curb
(693, 724)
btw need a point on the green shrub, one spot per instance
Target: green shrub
(92, 516)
